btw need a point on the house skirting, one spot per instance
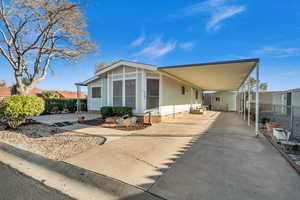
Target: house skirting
(162, 118)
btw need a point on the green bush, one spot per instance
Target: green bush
(16, 108)
(111, 111)
(50, 94)
(63, 105)
(106, 111)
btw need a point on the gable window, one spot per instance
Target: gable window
(96, 92)
(117, 93)
(130, 93)
(183, 90)
(152, 93)
(197, 94)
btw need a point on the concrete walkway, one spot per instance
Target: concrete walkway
(229, 163)
(141, 157)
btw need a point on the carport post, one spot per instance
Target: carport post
(78, 97)
(257, 101)
(249, 102)
(244, 88)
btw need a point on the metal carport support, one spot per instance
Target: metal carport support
(257, 101)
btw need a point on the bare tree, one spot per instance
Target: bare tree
(36, 32)
(252, 82)
(100, 66)
(3, 84)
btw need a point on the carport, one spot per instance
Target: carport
(222, 76)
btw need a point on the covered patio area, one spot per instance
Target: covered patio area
(231, 75)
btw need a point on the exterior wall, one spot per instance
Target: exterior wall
(125, 73)
(94, 104)
(172, 99)
(227, 101)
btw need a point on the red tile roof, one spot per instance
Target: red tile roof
(6, 92)
(71, 95)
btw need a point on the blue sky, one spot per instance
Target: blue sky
(178, 32)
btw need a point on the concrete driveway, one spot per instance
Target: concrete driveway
(196, 157)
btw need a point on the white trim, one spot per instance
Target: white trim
(143, 107)
(160, 91)
(127, 63)
(107, 92)
(90, 80)
(123, 87)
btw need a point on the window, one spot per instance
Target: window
(152, 93)
(197, 94)
(117, 93)
(183, 90)
(218, 99)
(96, 92)
(130, 94)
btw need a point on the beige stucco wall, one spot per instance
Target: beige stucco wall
(172, 99)
(227, 101)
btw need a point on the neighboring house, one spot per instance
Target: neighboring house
(163, 91)
(221, 101)
(6, 92)
(71, 95)
(224, 101)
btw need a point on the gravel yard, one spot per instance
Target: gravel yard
(49, 141)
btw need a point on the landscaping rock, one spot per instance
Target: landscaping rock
(2, 127)
(111, 119)
(131, 121)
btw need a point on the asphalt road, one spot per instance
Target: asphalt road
(17, 186)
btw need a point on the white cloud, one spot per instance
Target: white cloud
(187, 45)
(221, 14)
(217, 10)
(277, 51)
(139, 41)
(158, 48)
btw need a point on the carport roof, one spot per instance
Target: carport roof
(214, 76)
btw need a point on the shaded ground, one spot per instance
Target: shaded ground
(214, 156)
(17, 186)
(229, 163)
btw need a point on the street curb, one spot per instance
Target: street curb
(71, 179)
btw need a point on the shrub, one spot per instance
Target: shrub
(63, 105)
(50, 94)
(106, 111)
(16, 108)
(111, 111)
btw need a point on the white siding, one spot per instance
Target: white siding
(126, 73)
(97, 103)
(227, 101)
(173, 101)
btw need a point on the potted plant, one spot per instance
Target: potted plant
(81, 118)
(270, 125)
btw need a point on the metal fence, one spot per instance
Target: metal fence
(287, 116)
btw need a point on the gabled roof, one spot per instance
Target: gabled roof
(118, 64)
(127, 63)
(215, 76)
